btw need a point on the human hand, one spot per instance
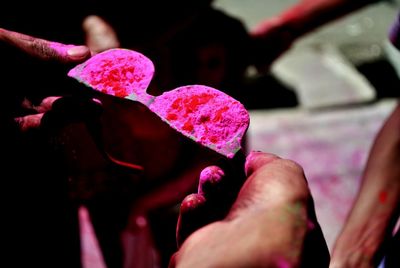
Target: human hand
(271, 224)
(45, 50)
(35, 68)
(56, 111)
(60, 110)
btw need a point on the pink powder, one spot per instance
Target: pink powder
(210, 117)
(117, 72)
(211, 175)
(60, 49)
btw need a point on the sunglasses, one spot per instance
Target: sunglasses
(201, 113)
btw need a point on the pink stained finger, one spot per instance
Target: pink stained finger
(256, 159)
(43, 49)
(28, 122)
(192, 216)
(70, 52)
(209, 177)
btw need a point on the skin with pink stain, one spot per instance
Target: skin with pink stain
(272, 223)
(63, 50)
(209, 177)
(44, 49)
(204, 114)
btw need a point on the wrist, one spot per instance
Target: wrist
(354, 248)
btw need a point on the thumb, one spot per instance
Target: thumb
(255, 191)
(271, 182)
(256, 159)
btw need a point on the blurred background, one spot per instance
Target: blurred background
(345, 78)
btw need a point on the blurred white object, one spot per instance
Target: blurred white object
(322, 77)
(140, 251)
(91, 253)
(393, 56)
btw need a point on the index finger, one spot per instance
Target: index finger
(43, 49)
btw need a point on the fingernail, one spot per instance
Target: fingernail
(255, 159)
(192, 202)
(29, 122)
(209, 178)
(97, 101)
(78, 52)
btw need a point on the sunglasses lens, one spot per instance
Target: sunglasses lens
(206, 115)
(117, 72)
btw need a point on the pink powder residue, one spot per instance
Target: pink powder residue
(210, 117)
(210, 175)
(117, 72)
(60, 49)
(383, 195)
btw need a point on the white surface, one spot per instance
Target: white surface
(323, 77)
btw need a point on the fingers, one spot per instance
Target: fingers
(44, 49)
(70, 109)
(274, 200)
(100, 36)
(56, 111)
(29, 122)
(192, 216)
(275, 182)
(33, 121)
(199, 209)
(46, 104)
(217, 190)
(210, 180)
(271, 182)
(71, 53)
